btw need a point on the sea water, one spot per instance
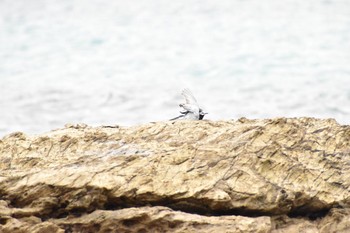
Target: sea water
(120, 62)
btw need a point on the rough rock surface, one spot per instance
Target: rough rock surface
(275, 175)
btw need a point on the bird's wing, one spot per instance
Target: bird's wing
(192, 108)
(187, 94)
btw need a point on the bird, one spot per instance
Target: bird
(191, 109)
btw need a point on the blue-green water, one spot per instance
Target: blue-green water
(125, 62)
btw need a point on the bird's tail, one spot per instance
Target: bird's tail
(173, 119)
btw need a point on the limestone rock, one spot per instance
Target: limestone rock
(275, 175)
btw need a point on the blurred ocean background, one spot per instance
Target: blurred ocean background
(103, 62)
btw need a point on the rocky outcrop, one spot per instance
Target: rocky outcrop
(276, 175)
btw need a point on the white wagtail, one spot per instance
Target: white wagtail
(191, 109)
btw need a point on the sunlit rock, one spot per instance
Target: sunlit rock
(275, 175)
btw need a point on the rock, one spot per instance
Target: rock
(161, 219)
(274, 175)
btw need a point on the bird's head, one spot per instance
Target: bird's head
(201, 114)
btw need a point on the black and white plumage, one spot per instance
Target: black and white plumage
(191, 109)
